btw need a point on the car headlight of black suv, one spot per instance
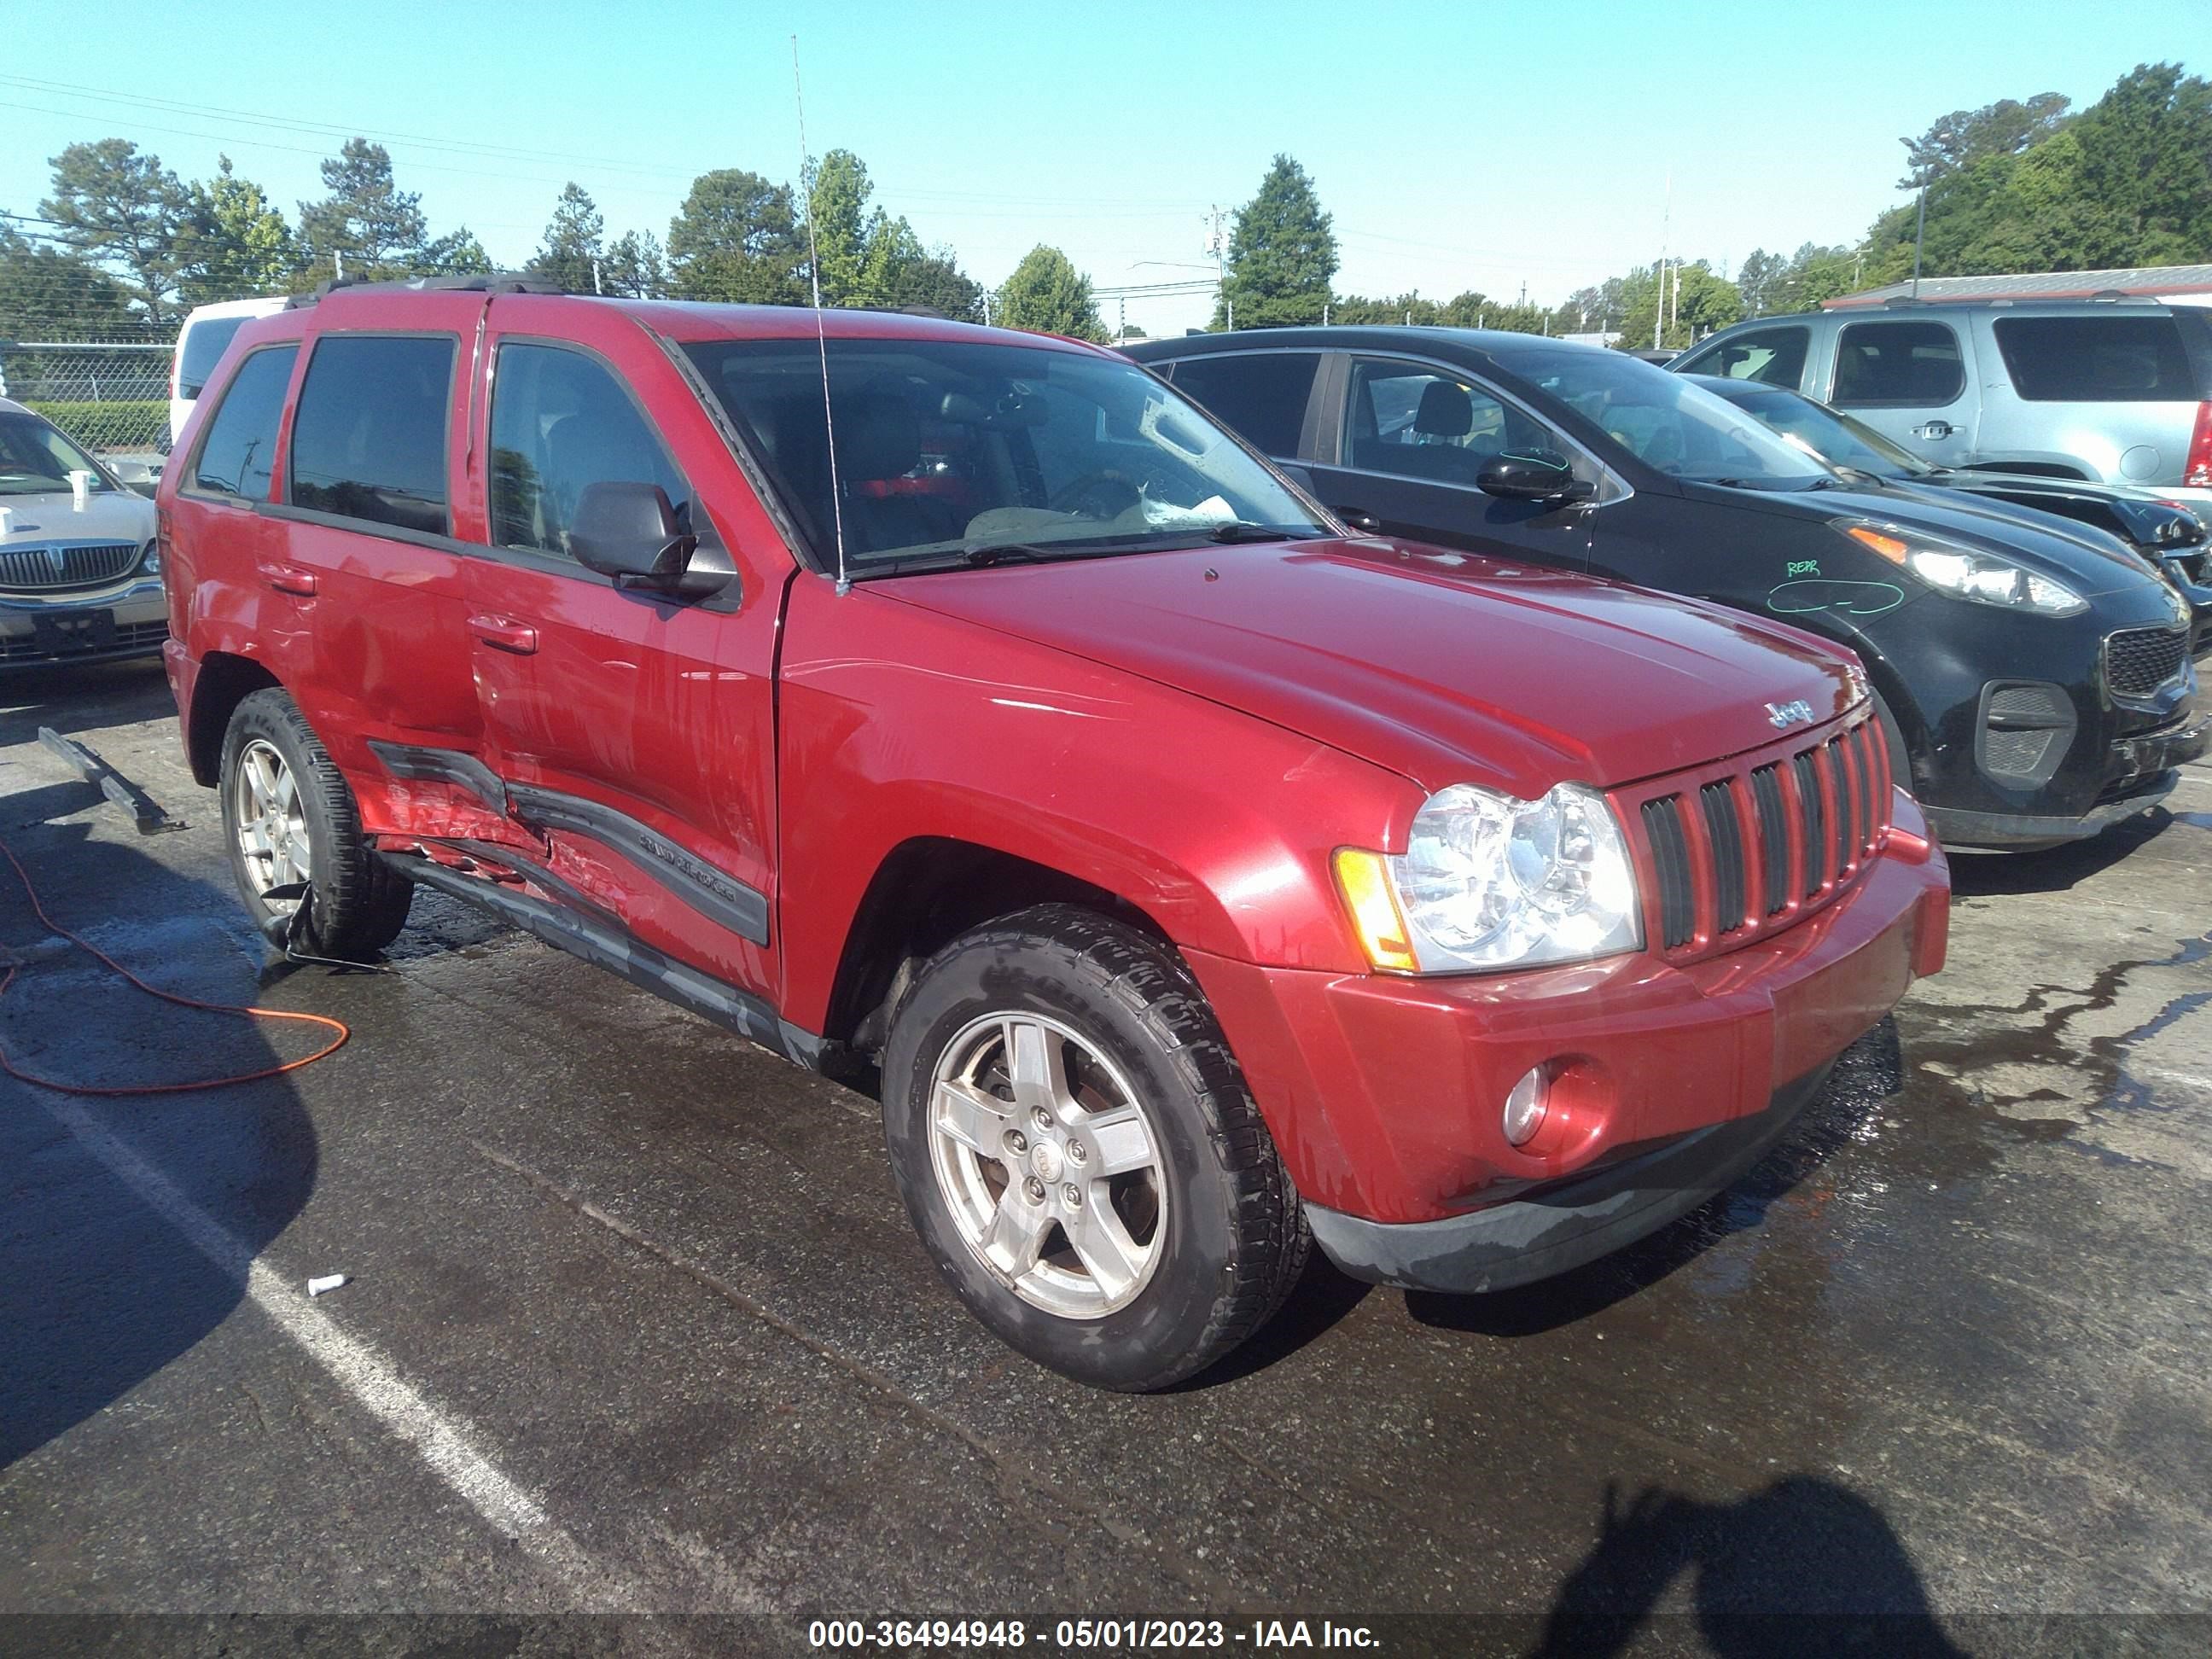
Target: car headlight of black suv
(1964, 572)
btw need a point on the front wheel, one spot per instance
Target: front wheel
(1079, 1153)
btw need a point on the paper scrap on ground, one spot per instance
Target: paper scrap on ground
(317, 1286)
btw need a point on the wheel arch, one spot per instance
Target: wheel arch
(925, 892)
(225, 680)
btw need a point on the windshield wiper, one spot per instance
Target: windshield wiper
(1004, 553)
(1241, 531)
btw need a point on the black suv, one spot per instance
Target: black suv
(2033, 677)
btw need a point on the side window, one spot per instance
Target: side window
(560, 422)
(241, 445)
(368, 440)
(2096, 360)
(1908, 364)
(1263, 394)
(1427, 424)
(1773, 356)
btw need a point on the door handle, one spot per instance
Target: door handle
(505, 633)
(289, 579)
(1933, 429)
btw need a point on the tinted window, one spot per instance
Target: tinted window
(368, 441)
(241, 446)
(946, 447)
(2096, 360)
(1427, 424)
(1773, 356)
(205, 343)
(561, 422)
(1898, 363)
(1262, 394)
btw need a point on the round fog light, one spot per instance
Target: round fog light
(1526, 1106)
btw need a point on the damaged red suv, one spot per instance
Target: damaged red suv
(1198, 880)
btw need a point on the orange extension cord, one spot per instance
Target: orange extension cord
(14, 1071)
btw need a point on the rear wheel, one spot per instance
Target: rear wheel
(296, 838)
(1080, 1155)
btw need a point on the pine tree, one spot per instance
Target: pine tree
(1282, 257)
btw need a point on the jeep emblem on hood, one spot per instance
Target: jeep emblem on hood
(1789, 714)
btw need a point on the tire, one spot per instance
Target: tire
(1213, 1215)
(355, 903)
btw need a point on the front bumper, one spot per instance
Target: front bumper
(127, 619)
(1563, 1226)
(1384, 1094)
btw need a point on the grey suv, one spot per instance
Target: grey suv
(2119, 390)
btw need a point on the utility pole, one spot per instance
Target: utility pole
(1218, 247)
(987, 308)
(1666, 231)
(339, 255)
(1920, 235)
(596, 287)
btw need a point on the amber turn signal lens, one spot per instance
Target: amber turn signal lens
(1889, 547)
(1375, 914)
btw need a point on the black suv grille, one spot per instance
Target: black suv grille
(80, 564)
(2141, 659)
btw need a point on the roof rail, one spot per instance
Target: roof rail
(489, 282)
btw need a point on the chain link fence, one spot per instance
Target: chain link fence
(113, 398)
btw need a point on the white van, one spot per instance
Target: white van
(200, 345)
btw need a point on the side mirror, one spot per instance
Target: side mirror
(632, 532)
(1541, 475)
(1297, 474)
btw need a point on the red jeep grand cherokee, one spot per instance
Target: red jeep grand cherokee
(1199, 879)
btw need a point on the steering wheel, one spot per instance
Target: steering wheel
(1102, 495)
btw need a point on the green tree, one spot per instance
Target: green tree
(1282, 256)
(122, 209)
(1696, 301)
(1967, 135)
(635, 267)
(736, 239)
(572, 240)
(837, 192)
(457, 254)
(365, 219)
(1047, 295)
(232, 243)
(50, 293)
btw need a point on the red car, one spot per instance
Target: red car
(1198, 880)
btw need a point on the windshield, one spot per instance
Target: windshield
(201, 349)
(965, 451)
(1841, 439)
(1669, 423)
(35, 460)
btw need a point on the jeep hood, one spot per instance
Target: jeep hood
(1445, 667)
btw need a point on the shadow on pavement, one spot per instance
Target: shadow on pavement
(98, 1291)
(1869, 1074)
(78, 699)
(1804, 1567)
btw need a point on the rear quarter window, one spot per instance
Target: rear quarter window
(2096, 360)
(1262, 394)
(1899, 364)
(368, 440)
(239, 449)
(201, 349)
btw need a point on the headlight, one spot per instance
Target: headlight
(149, 559)
(1966, 572)
(1490, 882)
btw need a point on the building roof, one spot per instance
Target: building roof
(2140, 280)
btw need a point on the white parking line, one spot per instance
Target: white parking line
(447, 1446)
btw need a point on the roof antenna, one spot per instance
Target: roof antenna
(821, 338)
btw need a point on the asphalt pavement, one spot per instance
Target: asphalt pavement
(634, 1321)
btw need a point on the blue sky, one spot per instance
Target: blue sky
(1458, 145)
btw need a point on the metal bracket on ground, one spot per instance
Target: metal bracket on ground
(142, 807)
